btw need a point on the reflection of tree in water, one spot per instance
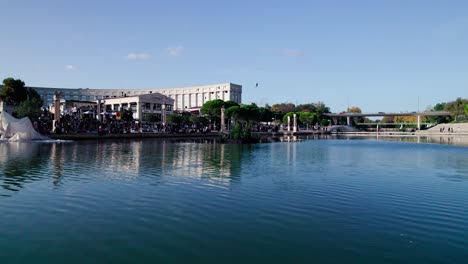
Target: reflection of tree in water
(21, 163)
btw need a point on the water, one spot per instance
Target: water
(316, 201)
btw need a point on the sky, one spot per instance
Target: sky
(382, 56)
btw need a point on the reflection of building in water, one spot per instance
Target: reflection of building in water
(202, 160)
(122, 158)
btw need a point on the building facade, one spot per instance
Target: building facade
(185, 98)
(154, 104)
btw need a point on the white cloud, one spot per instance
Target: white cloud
(138, 56)
(70, 67)
(175, 51)
(292, 53)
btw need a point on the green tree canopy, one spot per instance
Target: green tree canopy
(265, 114)
(307, 118)
(212, 108)
(245, 113)
(306, 108)
(13, 91)
(291, 114)
(29, 108)
(457, 107)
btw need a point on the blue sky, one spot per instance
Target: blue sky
(378, 55)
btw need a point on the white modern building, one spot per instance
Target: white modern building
(154, 104)
(185, 98)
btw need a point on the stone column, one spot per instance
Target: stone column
(98, 110)
(56, 110)
(183, 102)
(163, 114)
(222, 120)
(295, 123)
(419, 122)
(348, 120)
(289, 123)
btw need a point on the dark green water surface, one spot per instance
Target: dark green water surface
(151, 201)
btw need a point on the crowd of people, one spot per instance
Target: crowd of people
(72, 123)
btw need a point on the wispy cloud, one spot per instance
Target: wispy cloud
(175, 51)
(138, 56)
(291, 52)
(70, 67)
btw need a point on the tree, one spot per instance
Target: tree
(246, 113)
(291, 115)
(355, 109)
(196, 119)
(387, 119)
(439, 119)
(307, 118)
(29, 108)
(13, 91)
(321, 108)
(283, 107)
(265, 114)
(212, 108)
(306, 108)
(457, 107)
(230, 103)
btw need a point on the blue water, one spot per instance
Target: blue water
(154, 201)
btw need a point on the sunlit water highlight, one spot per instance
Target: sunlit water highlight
(152, 201)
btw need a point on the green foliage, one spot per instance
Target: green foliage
(196, 119)
(147, 117)
(246, 113)
(265, 114)
(440, 107)
(283, 107)
(240, 132)
(466, 109)
(291, 114)
(13, 91)
(457, 107)
(178, 118)
(325, 122)
(322, 108)
(306, 108)
(29, 108)
(212, 108)
(307, 118)
(230, 103)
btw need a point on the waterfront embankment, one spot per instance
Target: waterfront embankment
(212, 135)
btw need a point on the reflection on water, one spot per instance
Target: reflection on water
(310, 201)
(23, 163)
(423, 139)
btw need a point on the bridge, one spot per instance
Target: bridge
(418, 114)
